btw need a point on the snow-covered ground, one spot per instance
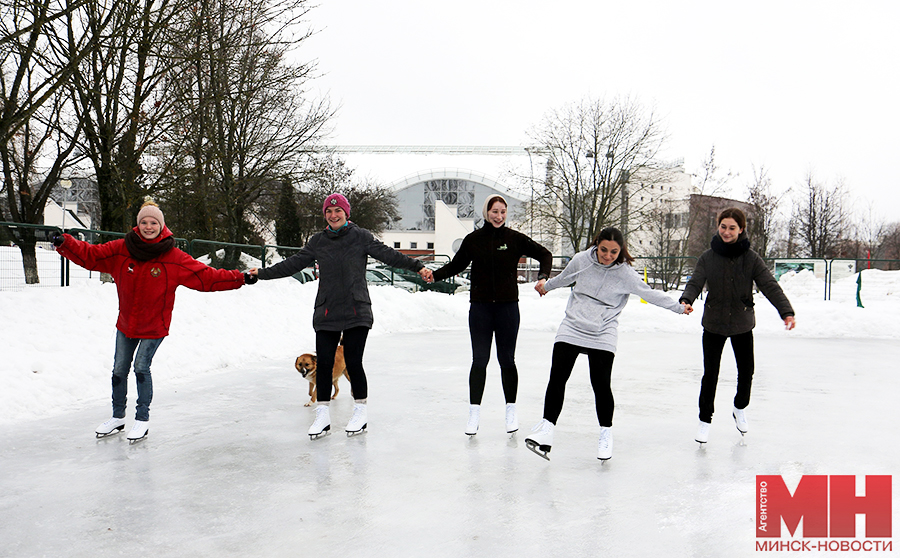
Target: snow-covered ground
(228, 470)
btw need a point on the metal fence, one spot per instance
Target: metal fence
(24, 246)
(27, 259)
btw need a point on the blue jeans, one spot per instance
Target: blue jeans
(125, 352)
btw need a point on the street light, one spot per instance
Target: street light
(621, 180)
(65, 184)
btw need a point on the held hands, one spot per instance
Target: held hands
(539, 287)
(426, 274)
(687, 308)
(789, 323)
(251, 276)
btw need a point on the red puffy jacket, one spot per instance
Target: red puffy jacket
(147, 288)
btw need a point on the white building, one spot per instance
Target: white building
(440, 195)
(73, 204)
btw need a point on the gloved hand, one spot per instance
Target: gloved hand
(57, 239)
(249, 279)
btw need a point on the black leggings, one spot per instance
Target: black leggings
(354, 346)
(486, 321)
(713, 344)
(600, 362)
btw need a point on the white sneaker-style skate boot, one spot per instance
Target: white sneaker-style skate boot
(112, 426)
(740, 420)
(605, 444)
(512, 420)
(541, 440)
(139, 431)
(474, 419)
(702, 435)
(322, 424)
(358, 421)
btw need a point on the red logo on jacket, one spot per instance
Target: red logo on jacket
(155, 271)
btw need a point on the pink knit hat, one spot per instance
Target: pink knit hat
(150, 209)
(337, 200)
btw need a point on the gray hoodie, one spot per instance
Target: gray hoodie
(599, 294)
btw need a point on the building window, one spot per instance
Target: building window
(396, 245)
(413, 245)
(431, 245)
(451, 191)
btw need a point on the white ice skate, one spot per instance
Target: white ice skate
(358, 421)
(474, 419)
(139, 431)
(322, 424)
(740, 420)
(702, 435)
(542, 440)
(512, 420)
(112, 426)
(605, 445)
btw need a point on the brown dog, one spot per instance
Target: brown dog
(306, 365)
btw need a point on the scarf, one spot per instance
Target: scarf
(144, 251)
(732, 250)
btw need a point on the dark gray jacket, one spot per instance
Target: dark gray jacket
(343, 299)
(729, 271)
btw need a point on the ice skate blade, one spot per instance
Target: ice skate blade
(736, 425)
(352, 433)
(134, 440)
(321, 434)
(540, 451)
(110, 433)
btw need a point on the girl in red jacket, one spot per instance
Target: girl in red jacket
(147, 268)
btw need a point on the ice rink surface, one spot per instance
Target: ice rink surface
(228, 470)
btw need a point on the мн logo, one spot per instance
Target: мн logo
(828, 505)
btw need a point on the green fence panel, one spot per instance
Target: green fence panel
(27, 258)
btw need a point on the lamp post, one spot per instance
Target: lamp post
(65, 184)
(531, 210)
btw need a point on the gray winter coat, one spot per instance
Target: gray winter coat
(729, 272)
(343, 299)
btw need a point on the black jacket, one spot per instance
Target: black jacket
(343, 299)
(729, 271)
(494, 253)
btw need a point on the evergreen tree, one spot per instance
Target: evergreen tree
(287, 223)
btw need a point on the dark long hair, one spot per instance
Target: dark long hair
(614, 234)
(733, 213)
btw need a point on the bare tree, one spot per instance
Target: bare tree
(710, 183)
(243, 108)
(871, 230)
(890, 243)
(764, 221)
(37, 134)
(680, 228)
(38, 53)
(593, 148)
(119, 96)
(820, 218)
(40, 152)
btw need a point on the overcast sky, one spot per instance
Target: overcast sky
(795, 86)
